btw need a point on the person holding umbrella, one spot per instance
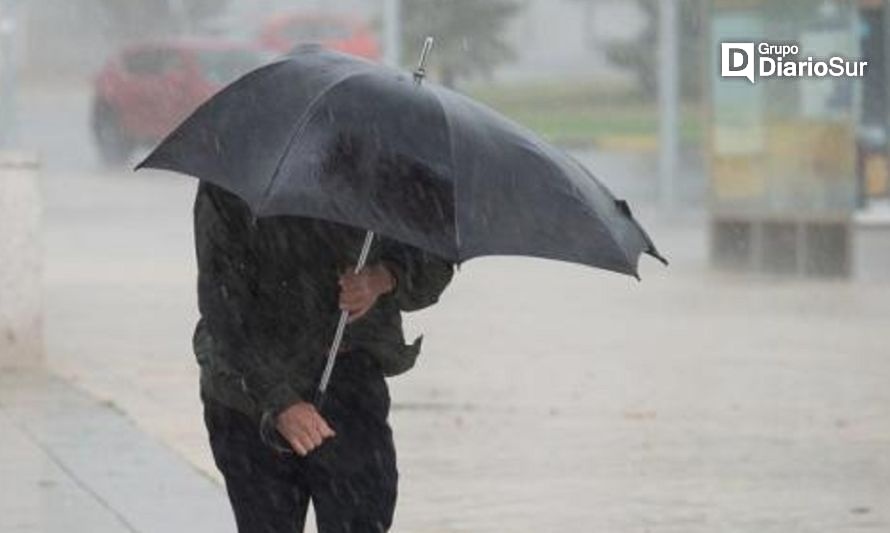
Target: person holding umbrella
(297, 160)
(269, 292)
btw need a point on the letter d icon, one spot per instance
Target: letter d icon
(737, 60)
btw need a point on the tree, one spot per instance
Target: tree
(469, 35)
(640, 56)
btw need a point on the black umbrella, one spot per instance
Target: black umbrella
(331, 136)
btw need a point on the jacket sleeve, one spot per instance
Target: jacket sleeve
(260, 378)
(271, 386)
(257, 370)
(420, 277)
(269, 389)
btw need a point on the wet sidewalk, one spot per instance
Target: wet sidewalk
(71, 463)
(549, 398)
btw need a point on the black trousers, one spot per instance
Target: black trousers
(351, 478)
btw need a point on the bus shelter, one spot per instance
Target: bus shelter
(798, 161)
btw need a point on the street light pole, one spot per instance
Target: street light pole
(392, 32)
(668, 103)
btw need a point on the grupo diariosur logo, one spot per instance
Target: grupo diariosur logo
(769, 60)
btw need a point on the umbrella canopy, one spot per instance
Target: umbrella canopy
(331, 136)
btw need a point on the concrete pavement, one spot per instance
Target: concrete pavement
(69, 462)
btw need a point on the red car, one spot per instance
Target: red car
(352, 36)
(145, 91)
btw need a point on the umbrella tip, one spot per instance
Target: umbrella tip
(624, 207)
(144, 163)
(654, 253)
(420, 72)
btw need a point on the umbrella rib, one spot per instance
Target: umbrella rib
(298, 131)
(574, 192)
(454, 180)
(591, 177)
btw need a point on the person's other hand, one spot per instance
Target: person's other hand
(359, 292)
(303, 427)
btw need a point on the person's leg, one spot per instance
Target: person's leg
(353, 476)
(263, 486)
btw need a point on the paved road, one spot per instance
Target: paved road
(550, 397)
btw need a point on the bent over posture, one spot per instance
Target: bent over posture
(270, 291)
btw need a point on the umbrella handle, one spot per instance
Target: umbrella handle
(341, 327)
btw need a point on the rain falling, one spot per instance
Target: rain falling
(434, 266)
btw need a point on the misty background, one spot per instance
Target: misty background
(743, 388)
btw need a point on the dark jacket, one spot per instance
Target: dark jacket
(268, 296)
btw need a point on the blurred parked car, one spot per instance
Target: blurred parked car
(146, 90)
(283, 31)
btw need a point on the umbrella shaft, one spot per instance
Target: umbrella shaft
(341, 327)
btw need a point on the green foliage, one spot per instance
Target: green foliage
(640, 56)
(584, 113)
(468, 33)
